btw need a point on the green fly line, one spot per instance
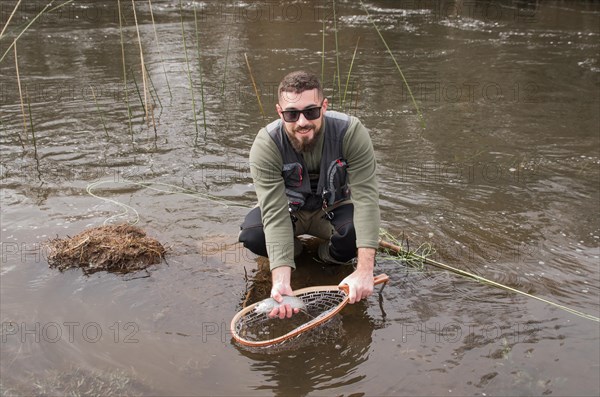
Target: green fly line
(398, 252)
(163, 188)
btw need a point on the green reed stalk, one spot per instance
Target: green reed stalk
(24, 30)
(323, 52)
(333, 91)
(162, 60)
(9, 19)
(31, 121)
(31, 23)
(337, 52)
(397, 66)
(349, 73)
(350, 99)
(225, 71)
(254, 85)
(33, 139)
(137, 89)
(187, 62)
(200, 70)
(21, 98)
(356, 97)
(125, 72)
(99, 112)
(153, 104)
(142, 64)
(155, 95)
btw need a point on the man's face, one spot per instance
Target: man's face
(303, 133)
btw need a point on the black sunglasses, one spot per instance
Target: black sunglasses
(291, 116)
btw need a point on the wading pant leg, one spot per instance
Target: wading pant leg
(252, 234)
(341, 247)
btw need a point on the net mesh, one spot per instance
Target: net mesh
(258, 327)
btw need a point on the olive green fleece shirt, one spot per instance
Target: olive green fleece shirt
(265, 166)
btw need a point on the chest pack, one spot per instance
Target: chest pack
(307, 191)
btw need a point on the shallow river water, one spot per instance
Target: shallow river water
(501, 177)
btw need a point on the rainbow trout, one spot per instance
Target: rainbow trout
(266, 305)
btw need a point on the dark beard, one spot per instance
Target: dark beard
(303, 146)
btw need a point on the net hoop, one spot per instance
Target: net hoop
(382, 278)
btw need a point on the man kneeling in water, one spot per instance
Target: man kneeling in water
(303, 166)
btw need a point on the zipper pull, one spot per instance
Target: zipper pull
(328, 215)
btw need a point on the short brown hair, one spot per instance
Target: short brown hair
(300, 81)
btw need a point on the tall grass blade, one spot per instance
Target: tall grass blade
(153, 104)
(187, 62)
(333, 91)
(349, 74)
(137, 89)
(99, 112)
(155, 95)
(225, 67)
(9, 19)
(21, 98)
(125, 88)
(397, 66)
(33, 139)
(201, 72)
(254, 85)
(354, 89)
(323, 52)
(162, 60)
(142, 64)
(24, 30)
(337, 52)
(31, 23)
(357, 93)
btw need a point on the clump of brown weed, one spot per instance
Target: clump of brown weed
(119, 248)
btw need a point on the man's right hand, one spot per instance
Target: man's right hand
(281, 277)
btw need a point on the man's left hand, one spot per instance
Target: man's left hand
(360, 282)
